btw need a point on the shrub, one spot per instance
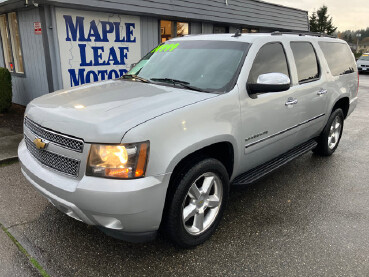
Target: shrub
(5, 90)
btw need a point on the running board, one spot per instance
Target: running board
(260, 171)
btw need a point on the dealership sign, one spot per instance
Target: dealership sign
(96, 46)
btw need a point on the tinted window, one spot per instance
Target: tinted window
(306, 61)
(271, 58)
(339, 57)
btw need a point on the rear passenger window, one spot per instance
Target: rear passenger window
(271, 58)
(339, 57)
(306, 61)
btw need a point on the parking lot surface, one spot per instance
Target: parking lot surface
(310, 217)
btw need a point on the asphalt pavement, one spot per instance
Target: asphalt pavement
(309, 218)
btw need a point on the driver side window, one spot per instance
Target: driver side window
(271, 58)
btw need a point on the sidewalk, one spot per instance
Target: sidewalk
(11, 130)
(12, 261)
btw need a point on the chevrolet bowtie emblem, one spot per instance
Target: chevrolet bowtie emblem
(39, 143)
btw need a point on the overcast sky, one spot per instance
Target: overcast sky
(347, 14)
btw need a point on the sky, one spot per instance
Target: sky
(346, 14)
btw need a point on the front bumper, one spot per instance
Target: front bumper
(129, 207)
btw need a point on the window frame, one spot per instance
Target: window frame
(21, 60)
(317, 60)
(10, 41)
(287, 62)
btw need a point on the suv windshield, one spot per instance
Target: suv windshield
(364, 57)
(210, 66)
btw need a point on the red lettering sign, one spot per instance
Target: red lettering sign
(37, 28)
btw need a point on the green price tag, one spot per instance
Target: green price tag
(165, 48)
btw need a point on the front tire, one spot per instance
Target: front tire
(196, 202)
(331, 135)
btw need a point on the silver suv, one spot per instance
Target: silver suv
(159, 148)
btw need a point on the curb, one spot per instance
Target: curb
(9, 160)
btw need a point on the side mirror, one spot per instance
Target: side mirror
(270, 82)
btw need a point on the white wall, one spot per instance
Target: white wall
(34, 82)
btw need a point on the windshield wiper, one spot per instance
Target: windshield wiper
(178, 82)
(169, 80)
(136, 77)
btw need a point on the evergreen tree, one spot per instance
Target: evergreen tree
(313, 23)
(321, 22)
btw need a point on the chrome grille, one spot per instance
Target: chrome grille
(74, 144)
(60, 163)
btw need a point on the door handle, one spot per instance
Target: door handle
(291, 101)
(322, 91)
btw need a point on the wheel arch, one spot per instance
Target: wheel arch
(223, 150)
(342, 103)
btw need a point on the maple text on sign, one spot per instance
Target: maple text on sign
(98, 48)
(76, 31)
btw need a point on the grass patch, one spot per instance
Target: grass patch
(24, 251)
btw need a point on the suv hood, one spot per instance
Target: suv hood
(104, 111)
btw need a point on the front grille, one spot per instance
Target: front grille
(74, 144)
(60, 163)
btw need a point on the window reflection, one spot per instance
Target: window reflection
(182, 29)
(165, 30)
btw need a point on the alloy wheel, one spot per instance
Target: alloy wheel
(202, 203)
(335, 132)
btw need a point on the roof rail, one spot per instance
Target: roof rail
(278, 33)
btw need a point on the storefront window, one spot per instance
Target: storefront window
(7, 51)
(166, 30)
(220, 30)
(248, 30)
(182, 29)
(171, 29)
(9, 32)
(16, 45)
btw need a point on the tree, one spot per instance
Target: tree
(321, 22)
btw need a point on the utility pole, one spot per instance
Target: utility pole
(358, 36)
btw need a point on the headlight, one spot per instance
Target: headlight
(124, 161)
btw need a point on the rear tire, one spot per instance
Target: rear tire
(331, 135)
(196, 202)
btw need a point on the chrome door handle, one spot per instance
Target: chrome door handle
(291, 101)
(322, 91)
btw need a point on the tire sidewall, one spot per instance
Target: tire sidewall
(177, 230)
(325, 134)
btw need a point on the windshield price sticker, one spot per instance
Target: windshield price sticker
(165, 48)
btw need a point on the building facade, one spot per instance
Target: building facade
(51, 45)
